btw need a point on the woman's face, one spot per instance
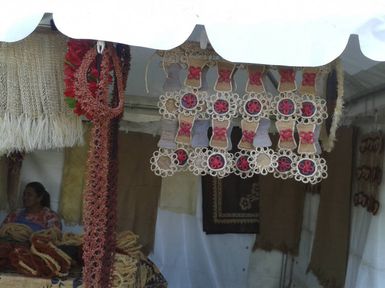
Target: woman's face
(30, 198)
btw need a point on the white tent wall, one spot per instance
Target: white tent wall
(190, 258)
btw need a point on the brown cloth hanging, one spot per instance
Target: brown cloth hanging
(138, 187)
(281, 212)
(331, 243)
(231, 204)
(15, 162)
(4, 205)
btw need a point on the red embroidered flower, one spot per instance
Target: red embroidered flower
(221, 106)
(253, 107)
(284, 164)
(308, 109)
(306, 167)
(182, 156)
(216, 161)
(286, 107)
(189, 101)
(243, 164)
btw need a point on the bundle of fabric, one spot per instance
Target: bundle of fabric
(33, 114)
(15, 231)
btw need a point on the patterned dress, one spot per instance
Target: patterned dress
(41, 220)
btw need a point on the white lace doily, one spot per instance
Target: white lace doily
(242, 167)
(286, 161)
(164, 162)
(310, 169)
(222, 105)
(264, 160)
(254, 106)
(286, 106)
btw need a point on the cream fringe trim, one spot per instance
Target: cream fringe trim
(328, 142)
(23, 133)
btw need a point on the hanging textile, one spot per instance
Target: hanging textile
(73, 181)
(281, 212)
(138, 187)
(331, 242)
(33, 114)
(179, 193)
(4, 205)
(231, 204)
(14, 161)
(369, 171)
(99, 209)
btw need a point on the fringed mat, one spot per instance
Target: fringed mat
(331, 243)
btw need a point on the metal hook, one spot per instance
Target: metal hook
(100, 46)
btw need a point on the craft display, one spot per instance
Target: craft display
(299, 114)
(369, 171)
(88, 86)
(33, 115)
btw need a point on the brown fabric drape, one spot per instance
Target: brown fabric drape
(15, 161)
(230, 205)
(4, 205)
(138, 187)
(73, 181)
(281, 212)
(331, 243)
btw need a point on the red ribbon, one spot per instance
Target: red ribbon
(255, 78)
(287, 75)
(248, 136)
(224, 75)
(306, 137)
(194, 73)
(308, 79)
(185, 129)
(286, 135)
(220, 133)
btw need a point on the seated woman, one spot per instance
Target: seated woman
(36, 212)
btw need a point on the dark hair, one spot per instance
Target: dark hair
(41, 192)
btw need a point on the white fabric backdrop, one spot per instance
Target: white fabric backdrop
(190, 258)
(366, 266)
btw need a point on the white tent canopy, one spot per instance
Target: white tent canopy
(279, 32)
